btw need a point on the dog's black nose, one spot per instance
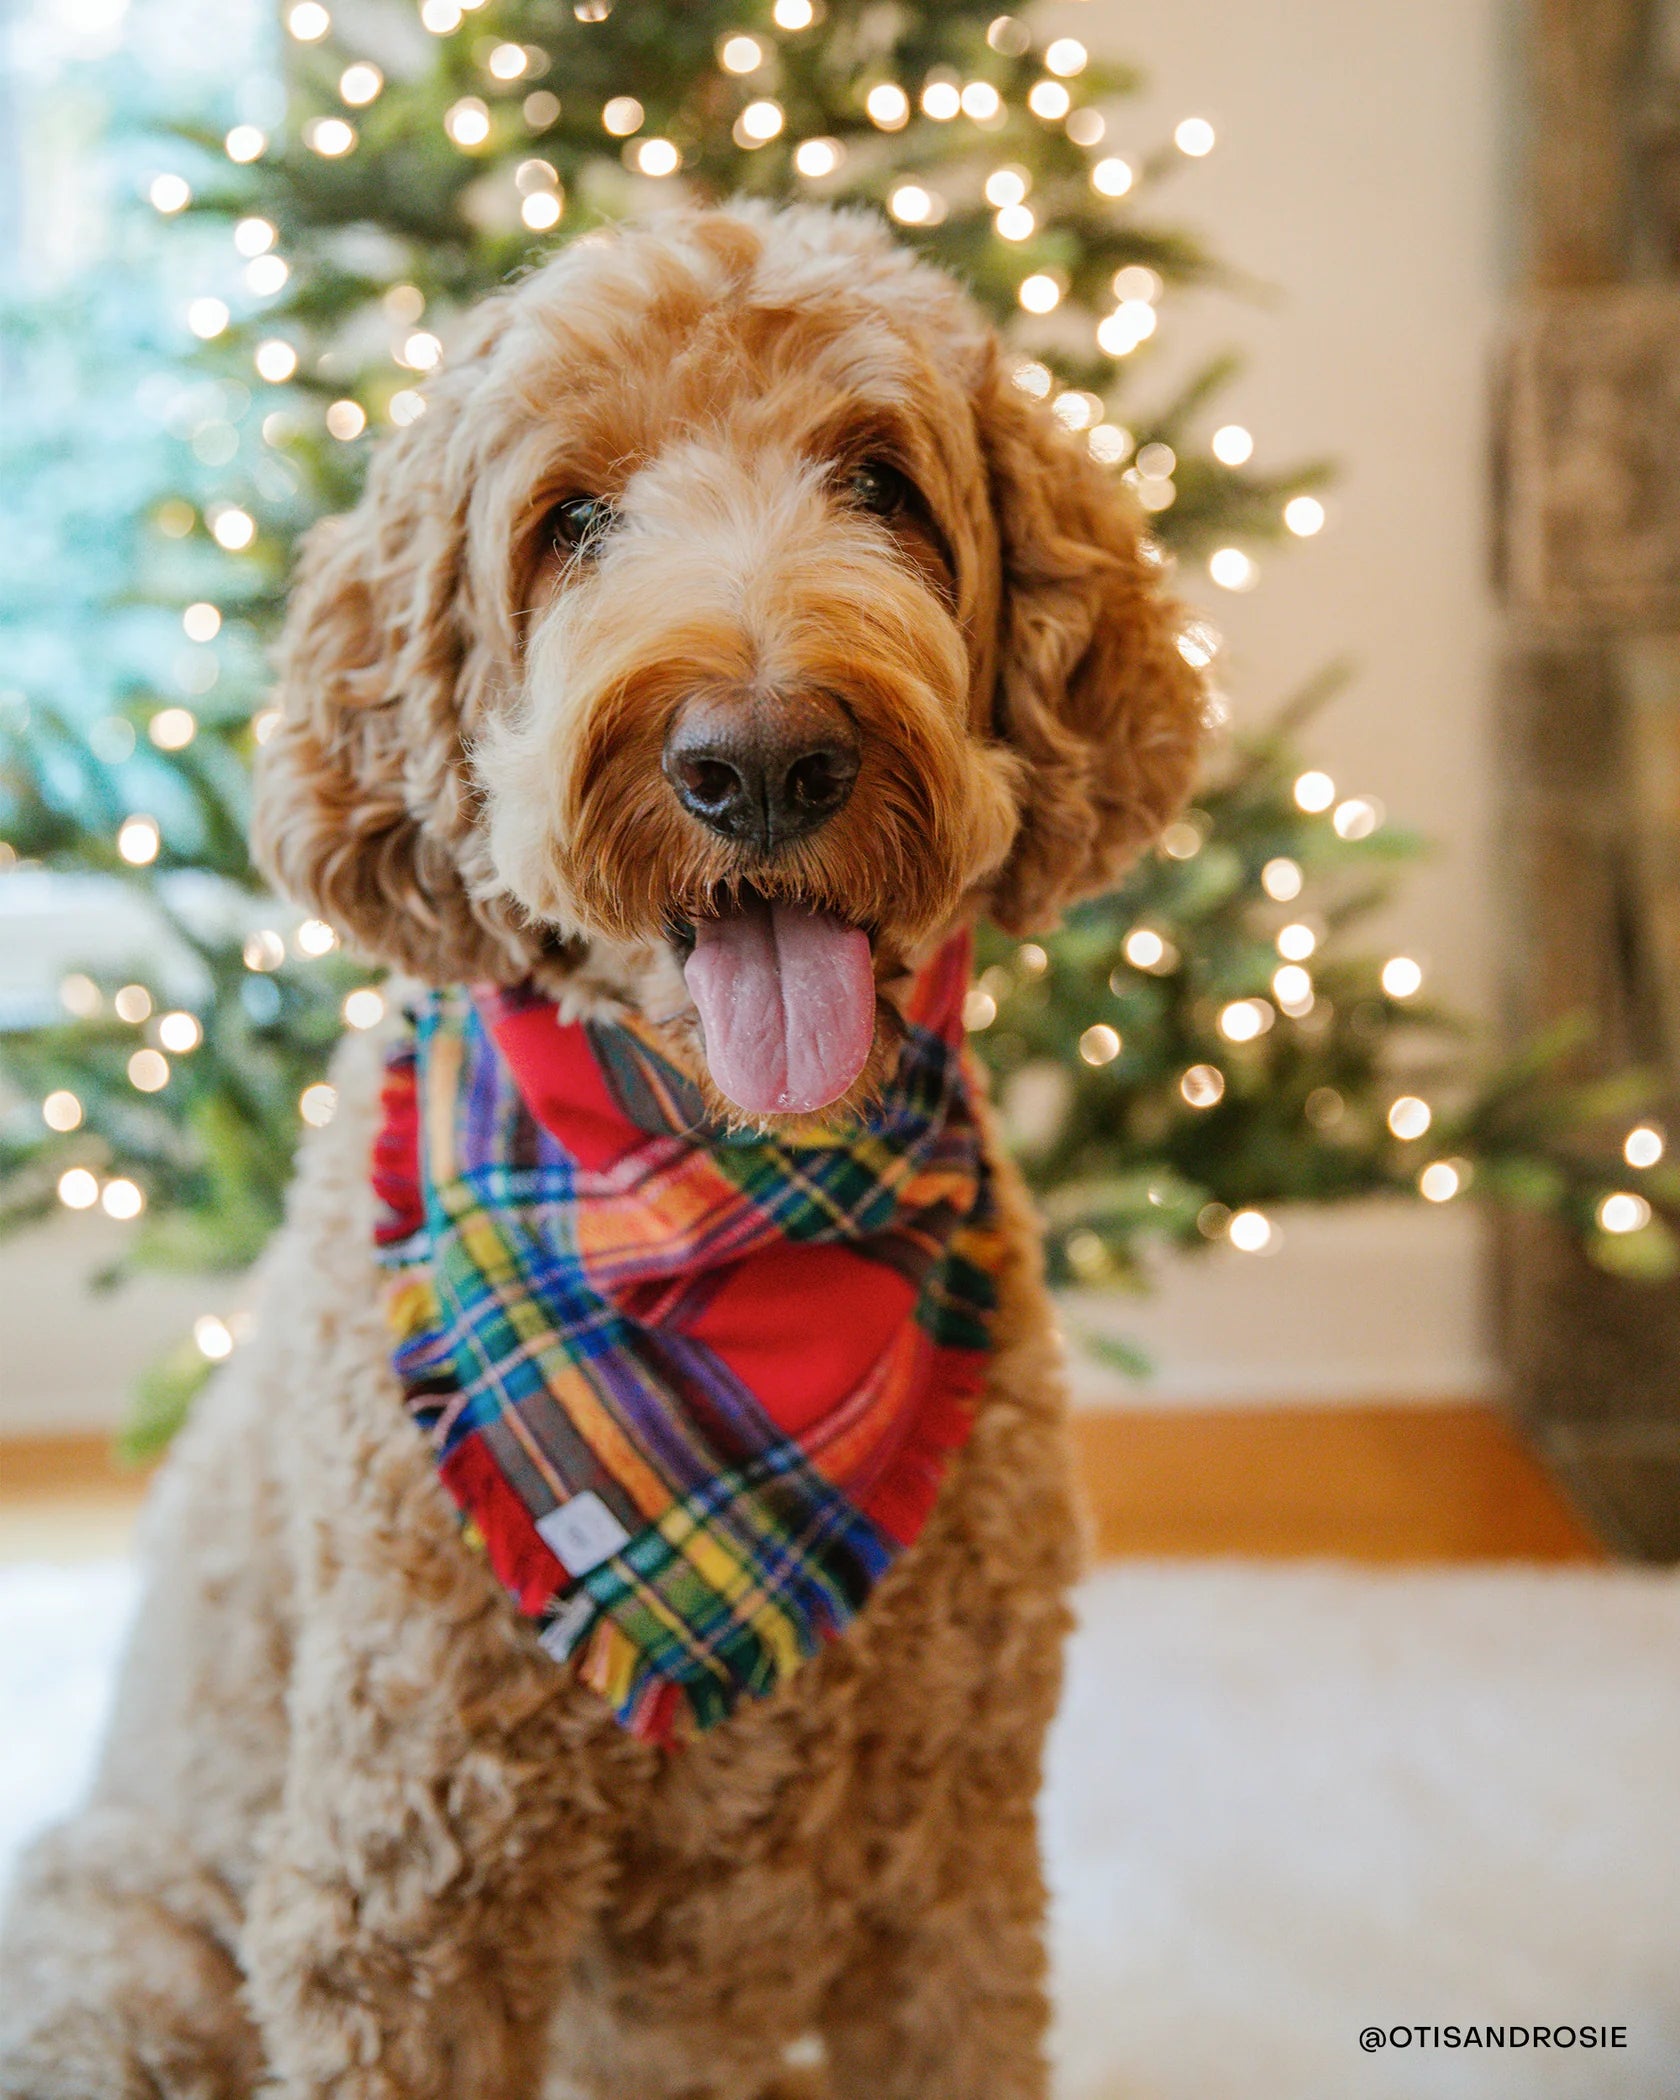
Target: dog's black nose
(763, 774)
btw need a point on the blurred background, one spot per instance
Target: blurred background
(1349, 1116)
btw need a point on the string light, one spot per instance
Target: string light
(61, 1111)
(1011, 38)
(508, 61)
(888, 106)
(172, 728)
(77, 1189)
(1324, 1108)
(264, 723)
(1245, 1019)
(1065, 57)
(346, 420)
(1039, 293)
(1049, 99)
(1292, 988)
(941, 100)
(740, 54)
(1203, 1086)
(245, 143)
(169, 194)
(404, 407)
(815, 158)
(982, 102)
(1100, 1044)
(979, 1009)
(213, 1338)
(1132, 322)
(658, 158)
(793, 14)
(1304, 515)
(1086, 127)
(1440, 1181)
(1644, 1146)
(1358, 817)
(264, 949)
(1015, 222)
(364, 1007)
(1251, 1232)
(1409, 1118)
(420, 351)
(541, 210)
(207, 318)
(317, 1104)
(1624, 1212)
(1007, 186)
(308, 21)
(315, 937)
(122, 1199)
(148, 1071)
(1296, 942)
(1401, 977)
(180, 1032)
(1075, 410)
(467, 122)
(441, 17)
(79, 995)
(1195, 137)
(1143, 948)
(1032, 378)
(622, 116)
(1199, 642)
(231, 528)
(1232, 446)
(1112, 177)
(1282, 880)
(360, 84)
(138, 839)
(266, 276)
(1232, 569)
(253, 236)
(911, 205)
(275, 360)
(758, 123)
(1314, 792)
(1181, 840)
(541, 110)
(1109, 443)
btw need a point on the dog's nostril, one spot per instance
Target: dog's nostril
(710, 784)
(819, 782)
(761, 776)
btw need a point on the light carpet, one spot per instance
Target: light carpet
(1286, 1804)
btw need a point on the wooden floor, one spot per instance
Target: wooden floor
(1398, 1484)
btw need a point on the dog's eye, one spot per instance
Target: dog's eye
(878, 488)
(575, 525)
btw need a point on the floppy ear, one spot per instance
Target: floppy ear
(364, 809)
(1092, 691)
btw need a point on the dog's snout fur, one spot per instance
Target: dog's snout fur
(762, 772)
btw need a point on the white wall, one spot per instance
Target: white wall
(1360, 173)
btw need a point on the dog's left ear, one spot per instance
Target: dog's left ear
(1092, 690)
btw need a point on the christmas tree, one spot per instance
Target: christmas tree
(1207, 1043)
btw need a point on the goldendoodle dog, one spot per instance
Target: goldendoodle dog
(600, 1632)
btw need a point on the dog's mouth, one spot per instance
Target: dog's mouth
(786, 997)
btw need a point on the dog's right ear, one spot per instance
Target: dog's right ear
(363, 800)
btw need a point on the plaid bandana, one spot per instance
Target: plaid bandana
(692, 1390)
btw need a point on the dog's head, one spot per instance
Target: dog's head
(727, 628)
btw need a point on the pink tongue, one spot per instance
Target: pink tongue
(787, 1000)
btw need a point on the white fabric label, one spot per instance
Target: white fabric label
(582, 1532)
